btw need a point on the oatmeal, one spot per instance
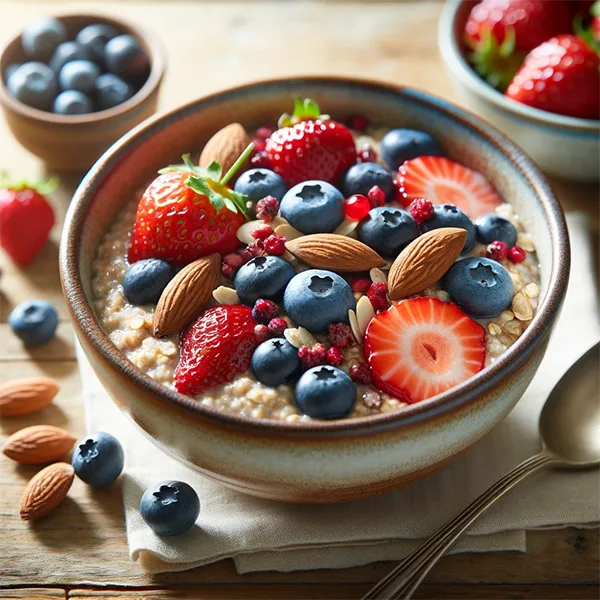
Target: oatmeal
(335, 322)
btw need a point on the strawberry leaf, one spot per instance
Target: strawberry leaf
(241, 201)
(305, 109)
(201, 187)
(214, 171)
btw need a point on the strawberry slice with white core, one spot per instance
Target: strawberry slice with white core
(443, 181)
(422, 347)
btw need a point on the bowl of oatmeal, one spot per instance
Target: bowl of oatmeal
(319, 308)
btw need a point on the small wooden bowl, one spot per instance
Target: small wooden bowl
(75, 142)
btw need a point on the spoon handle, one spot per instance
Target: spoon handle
(402, 581)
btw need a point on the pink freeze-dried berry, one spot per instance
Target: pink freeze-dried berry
(275, 245)
(262, 232)
(267, 208)
(264, 132)
(259, 145)
(277, 326)
(260, 160)
(312, 357)
(376, 196)
(496, 250)
(227, 270)
(360, 373)
(421, 210)
(516, 254)
(264, 311)
(233, 260)
(360, 284)
(334, 356)
(252, 250)
(340, 335)
(377, 294)
(366, 153)
(262, 333)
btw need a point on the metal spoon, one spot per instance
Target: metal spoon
(570, 432)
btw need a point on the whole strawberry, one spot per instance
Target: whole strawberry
(560, 76)
(310, 146)
(26, 219)
(215, 347)
(501, 32)
(188, 212)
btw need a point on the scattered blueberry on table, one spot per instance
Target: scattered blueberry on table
(98, 459)
(170, 507)
(34, 322)
(104, 65)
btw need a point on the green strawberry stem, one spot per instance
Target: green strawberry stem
(237, 164)
(43, 187)
(305, 109)
(585, 33)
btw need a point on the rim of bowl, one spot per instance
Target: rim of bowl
(463, 394)
(456, 62)
(158, 63)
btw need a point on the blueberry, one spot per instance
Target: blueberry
(10, 70)
(492, 227)
(262, 277)
(399, 145)
(110, 91)
(170, 507)
(66, 52)
(41, 37)
(388, 230)
(98, 459)
(325, 393)
(258, 183)
(316, 298)
(34, 84)
(146, 279)
(94, 38)
(275, 362)
(313, 207)
(480, 286)
(34, 322)
(448, 215)
(71, 102)
(79, 75)
(361, 177)
(124, 57)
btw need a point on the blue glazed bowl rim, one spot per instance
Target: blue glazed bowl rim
(443, 404)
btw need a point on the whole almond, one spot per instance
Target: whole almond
(424, 261)
(24, 396)
(186, 295)
(46, 490)
(38, 444)
(336, 252)
(225, 146)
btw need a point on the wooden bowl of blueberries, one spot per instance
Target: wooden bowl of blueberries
(72, 85)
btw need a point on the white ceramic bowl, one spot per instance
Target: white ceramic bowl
(565, 147)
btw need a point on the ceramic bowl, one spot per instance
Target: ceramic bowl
(562, 146)
(75, 142)
(317, 461)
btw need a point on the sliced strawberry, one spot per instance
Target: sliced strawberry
(422, 347)
(215, 347)
(443, 181)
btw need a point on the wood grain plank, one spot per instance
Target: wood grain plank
(59, 348)
(32, 594)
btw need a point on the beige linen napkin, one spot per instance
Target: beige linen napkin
(265, 535)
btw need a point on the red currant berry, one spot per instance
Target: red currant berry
(516, 254)
(496, 251)
(376, 196)
(421, 209)
(357, 207)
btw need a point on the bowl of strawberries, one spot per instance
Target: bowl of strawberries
(531, 68)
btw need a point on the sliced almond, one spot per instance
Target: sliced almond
(186, 295)
(292, 335)
(364, 314)
(244, 233)
(46, 490)
(288, 232)
(225, 146)
(24, 396)
(354, 326)
(226, 295)
(278, 220)
(346, 227)
(306, 337)
(521, 307)
(330, 251)
(377, 276)
(424, 261)
(38, 444)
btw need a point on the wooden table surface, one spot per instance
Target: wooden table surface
(81, 551)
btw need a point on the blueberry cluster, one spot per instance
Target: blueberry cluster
(97, 70)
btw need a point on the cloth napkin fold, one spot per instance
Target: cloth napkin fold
(266, 535)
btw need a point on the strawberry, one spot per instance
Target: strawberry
(26, 219)
(500, 32)
(215, 347)
(443, 181)
(422, 347)
(188, 212)
(309, 145)
(560, 76)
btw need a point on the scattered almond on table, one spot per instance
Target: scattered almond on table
(38, 444)
(27, 395)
